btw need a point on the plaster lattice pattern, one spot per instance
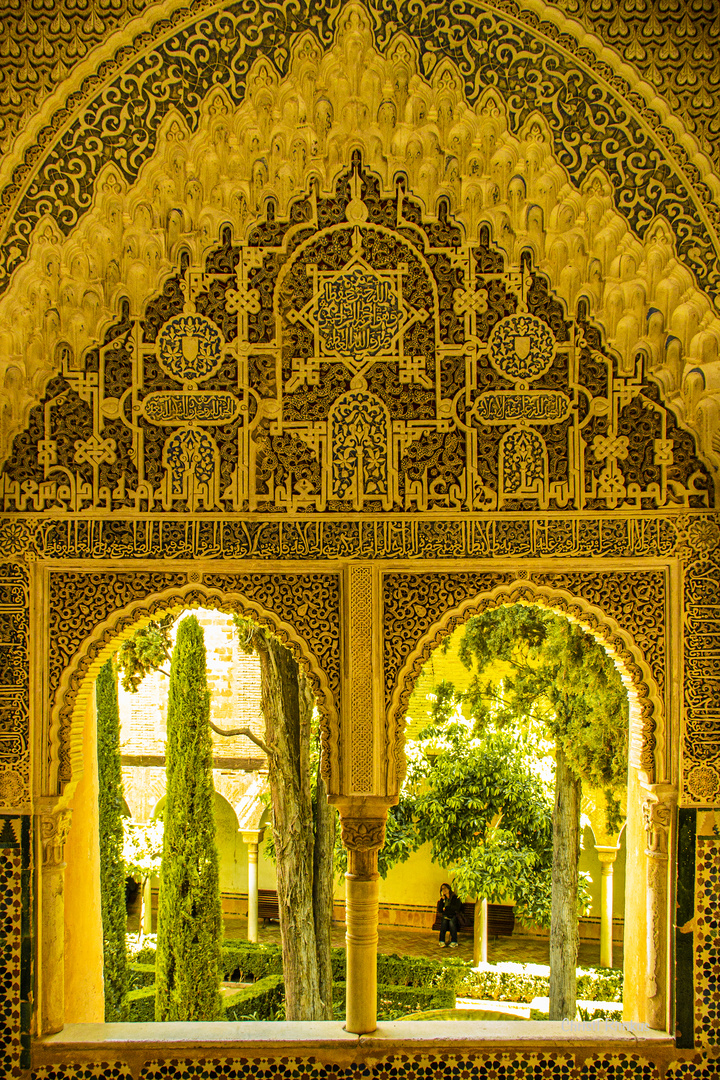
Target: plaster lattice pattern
(73, 596)
(700, 748)
(707, 942)
(673, 46)
(387, 538)
(463, 387)
(635, 600)
(193, 55)
(14, 682)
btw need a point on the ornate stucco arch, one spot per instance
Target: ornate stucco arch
(68, 707)
(647, 742)
(642, 262)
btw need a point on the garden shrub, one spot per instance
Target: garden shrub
(141, 1005)
(244, 961)
(189, 914)
(523, 982)
(396, 1001)
(112, 870)
(397, 970)
(141, 975)
(261, 1001)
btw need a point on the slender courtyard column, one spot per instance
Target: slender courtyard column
(607, 857)
(658, 816)
(53, 827)
(362, 836)
(253, 839)
(146, 927)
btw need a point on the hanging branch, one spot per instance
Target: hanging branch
(243, 731)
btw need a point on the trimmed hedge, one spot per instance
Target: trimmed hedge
(261, 1001)
(524, 982)
(396, 1001)
(141, 975)
(397, 970)
(141, 1005)
(245, 962)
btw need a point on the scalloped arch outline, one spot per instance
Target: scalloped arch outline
(67, 711)
(647, 742)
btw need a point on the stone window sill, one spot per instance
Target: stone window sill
(292, 1037)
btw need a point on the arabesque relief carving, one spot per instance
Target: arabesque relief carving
(493, 162)
(91, 611)
(434, 604)
(354, 356)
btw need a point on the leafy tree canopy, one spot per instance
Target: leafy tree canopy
(147, 650)
(142, 848)
(560, 677)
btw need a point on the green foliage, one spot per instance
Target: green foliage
(142, 848)
(525, 982)
(394, 970)
(243, 961)
(141, 1005)
(147, 650)
(600, 1010)
(560, 677)
(112, 872)
(142, 975)
(485, 811)
(394, 1002)
(190, 921)
(262, 1001)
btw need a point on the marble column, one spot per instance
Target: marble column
(53, 826)
(362, 837)
(658, 816)
(480, 942)
(607, 856)
(253, 839)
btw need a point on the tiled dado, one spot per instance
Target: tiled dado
(15, 958)
(370, 1062)
(396, 1051)
(707, 932)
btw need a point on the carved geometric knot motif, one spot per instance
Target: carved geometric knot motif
(362, 355)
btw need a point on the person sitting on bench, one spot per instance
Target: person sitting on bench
(449, 909)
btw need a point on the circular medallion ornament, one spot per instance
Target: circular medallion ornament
(521, 347)
(189, 348)
(703, 783)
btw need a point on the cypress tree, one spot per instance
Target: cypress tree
(190, 920)
(112, 870)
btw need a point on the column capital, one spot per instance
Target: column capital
(657, 809)
(54, 824)
(253, 836)
(607, 855)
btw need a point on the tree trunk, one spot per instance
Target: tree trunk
(323, 867)
(564, 917)
(287, 707)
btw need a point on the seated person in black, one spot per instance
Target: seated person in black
(449, 908)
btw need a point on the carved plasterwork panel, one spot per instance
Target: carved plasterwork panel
(89, 612)
(625, 610)
(355, 356)
(497, 158)
(14, 686)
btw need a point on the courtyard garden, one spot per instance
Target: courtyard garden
(532, 717)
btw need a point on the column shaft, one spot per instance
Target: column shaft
(252, 892)
(606, 915)
(361, 938)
